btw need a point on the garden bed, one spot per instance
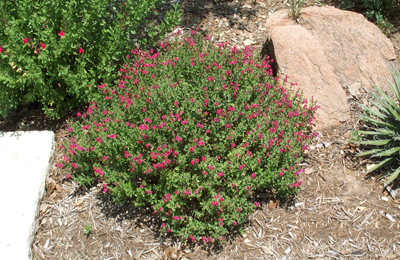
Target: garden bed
(341, 212)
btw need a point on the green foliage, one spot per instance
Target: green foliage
(194, 132)
(382, 139)
(294, 8)
(383, 23)
(57, 51)
(378, 11)
(87, 229)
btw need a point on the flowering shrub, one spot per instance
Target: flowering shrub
(192, 131)
(56, 51)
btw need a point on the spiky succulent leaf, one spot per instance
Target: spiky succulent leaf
(373, 151)
(389, 152)
(393, 176)
(383, 163)
(375, 142)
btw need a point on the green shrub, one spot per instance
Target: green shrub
(382, 139)
(193, 132)
(378, 11)
(56, 51)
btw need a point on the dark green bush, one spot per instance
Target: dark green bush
(378, 11)
(56, 52)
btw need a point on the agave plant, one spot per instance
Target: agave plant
(382, 139)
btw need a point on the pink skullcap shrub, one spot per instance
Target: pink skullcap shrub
(192, 131)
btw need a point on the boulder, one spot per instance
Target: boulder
(327, 50)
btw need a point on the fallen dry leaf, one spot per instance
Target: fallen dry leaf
(52, 186)
(139, 254)
(79, 202)
(273, 204)
(43, 207)
(58, 188)
(267, 250)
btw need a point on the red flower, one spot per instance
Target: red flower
(43, 45)
(25, 40)
(1, 49)
(61, 33)
(81, 50)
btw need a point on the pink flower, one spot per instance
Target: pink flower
(238, 209)
(149, 192)
(163, 225)
(25, 40)
(61, 33)
(234, 223)
(43, 46)
(81, 50)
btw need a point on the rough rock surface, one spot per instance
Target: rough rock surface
(327, 50)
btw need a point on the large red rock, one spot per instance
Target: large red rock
(326, 51)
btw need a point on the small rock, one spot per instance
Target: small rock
(299, 204)
(267, 250)
(308, 170)
(247, 240)
(327, 144)
(354, 89)
(319, 145)
(385, 198)
(390, 217)
(248, 42)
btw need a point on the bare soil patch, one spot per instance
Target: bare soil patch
(341, 211)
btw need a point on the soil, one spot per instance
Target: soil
(341, 211)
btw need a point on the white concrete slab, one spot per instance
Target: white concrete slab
(25, 159)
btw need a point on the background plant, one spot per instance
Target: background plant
(193, 132)
(294, 8)
(87, 229)
(382, 138)
(56, 51)
(378, 11)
